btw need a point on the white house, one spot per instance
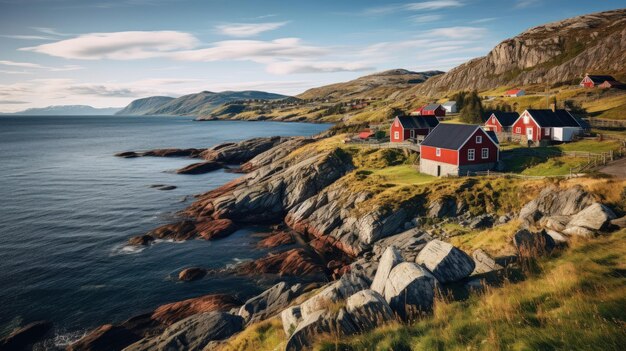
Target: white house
(450, 107)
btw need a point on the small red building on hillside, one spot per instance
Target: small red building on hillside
(515, 93)
(501, 121)
(538, 125)
(592, 81)
(455, 149)
(411, 127)
(430, 110)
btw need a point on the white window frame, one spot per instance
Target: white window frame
(518, 130)
(471, 154)
(438, 152)
(396, 135)
(485, 153)
(479, 139)
(547, 133)
(412, 133)
(526, 119)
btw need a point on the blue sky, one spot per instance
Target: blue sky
(107, 53)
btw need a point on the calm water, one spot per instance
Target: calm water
(68, 206)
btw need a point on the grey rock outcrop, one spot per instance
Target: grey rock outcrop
(555, 202)
(410, 289)
(484, 262)
(390, 258)
(192, 333)
(368, 310)
(242, 151)
(275, 154)
(532, 244)
(290, 318)
(409, 243)
(270, 302)
(444, 207)
(337, 291)
(594, 217)
(445, 262)
(319, 322)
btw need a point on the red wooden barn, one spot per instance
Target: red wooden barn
(515, 93)
(366, 134)
(430, 110)
(411, 127)
(501, 121)
(537, 125)
(591, 81)
(455, 149)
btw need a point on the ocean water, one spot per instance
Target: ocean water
(68, 206)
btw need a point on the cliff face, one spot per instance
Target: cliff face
(144, 106)
(555, 52)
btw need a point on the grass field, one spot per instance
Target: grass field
(402, 175)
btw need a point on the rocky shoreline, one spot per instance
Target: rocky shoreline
(364, 265)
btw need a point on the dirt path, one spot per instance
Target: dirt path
(616, 169)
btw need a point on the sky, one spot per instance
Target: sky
(108, 53)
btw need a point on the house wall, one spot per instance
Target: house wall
(450, 109)
(446, 156)
(493, 124)
(587, 82)
(492, 157)
(565, 133)
(396, 127)
(531, 124)
(430, 167)
(439, 112)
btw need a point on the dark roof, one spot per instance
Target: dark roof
(418, 122)
(450, 136)
(599, 79)
(430, 107)
(558, 118)
(506, 119)
(493, 136)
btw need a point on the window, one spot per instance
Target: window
(547, 131)
(518, 130)
(396, 135)
(526, 119)
(485, 153)
(412, 133)
(479, 139)
(471, 153)
(438, 152)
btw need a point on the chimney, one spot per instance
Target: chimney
(553, 107)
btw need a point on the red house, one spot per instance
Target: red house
(366, 134)
(430, 110)
(591, 81)
(612, 84)
(501, 121)
(411, 127)
(538, 125)
(515, 93)
(456, 149)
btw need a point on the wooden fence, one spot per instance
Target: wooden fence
(607, 123)
(386, 145)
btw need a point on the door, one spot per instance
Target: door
(412, 133)
(529, 133)
(438, 171)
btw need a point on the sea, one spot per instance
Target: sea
(68, 207)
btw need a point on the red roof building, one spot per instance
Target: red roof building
(592, 81)
(430, 110)
(366, 134)
(538, 125)
(515, 93)
(456, 149)
(501, 121)
(411, 127)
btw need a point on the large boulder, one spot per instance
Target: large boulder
(410, 289)
(409, 243)
(446, 262)
(320, 322)
(368, 310)
(200, 168)
(175, 311)
(242, 151)
(270, 302)
(390, 258)
(104, 338)
(484, 262)
(554, 201)
(191, 274)
(594, 217)
(340, 290)
(295, 262)
(444, 207)
(291, 317)
(192, 333)
(531, 244)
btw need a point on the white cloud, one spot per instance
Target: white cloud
(459, 32)
(483, 20)
(20, 64)
(37, 66)
(118, 45)
(426, 18)
(247, 29)
(521, 4)
(252, 50)
(291, 67)
(414, 6)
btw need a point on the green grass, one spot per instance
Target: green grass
(556, 166)
(401, 175)
(574, 301)
(590, 146)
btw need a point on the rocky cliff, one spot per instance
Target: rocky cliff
(556, 52)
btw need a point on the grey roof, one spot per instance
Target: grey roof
(506, 119)
(558, 118)
(450, 136)
(449, 103)
(493, 136)
(599, 79)
(418, 122)
(430, 107)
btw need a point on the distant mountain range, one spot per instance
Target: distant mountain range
(200, 104)
(67, 110)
